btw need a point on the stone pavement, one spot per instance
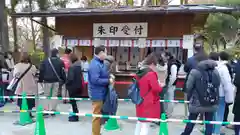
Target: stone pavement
(59, 125)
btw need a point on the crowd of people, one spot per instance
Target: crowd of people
(211, 85)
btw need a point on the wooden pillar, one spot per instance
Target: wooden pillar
(142, 52)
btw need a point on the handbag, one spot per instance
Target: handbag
(5, 76)
(59, 79)
(14, 82)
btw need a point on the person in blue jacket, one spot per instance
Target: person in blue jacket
(98, 81)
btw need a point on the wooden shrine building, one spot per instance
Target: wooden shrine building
(128, 32)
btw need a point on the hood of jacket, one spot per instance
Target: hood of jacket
(142, 71)
(207, 64)
(77, 63)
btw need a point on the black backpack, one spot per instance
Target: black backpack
(208, 87)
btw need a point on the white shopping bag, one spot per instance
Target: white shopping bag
(40, 88)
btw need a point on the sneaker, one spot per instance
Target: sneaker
(2, 104)
(52, 114)
(229, 126)
(46, 115)
(73, 118)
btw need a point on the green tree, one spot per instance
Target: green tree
(222, 30)
(228, 2)
(44, 5)
(4, 40)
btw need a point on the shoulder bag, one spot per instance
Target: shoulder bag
(14, 82)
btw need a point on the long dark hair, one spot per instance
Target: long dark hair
(160, 59)
(151, 59)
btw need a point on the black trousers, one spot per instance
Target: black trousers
(193, 116)
(74, 106)
(226, 112)
(237, 127)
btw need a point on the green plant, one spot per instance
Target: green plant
(37, 57)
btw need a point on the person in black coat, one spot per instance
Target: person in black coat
(74, 84)
(236, 107)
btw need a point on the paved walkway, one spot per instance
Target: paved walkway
(59, 125)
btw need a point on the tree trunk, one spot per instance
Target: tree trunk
(142, 2)
(4, 40)
(164, 2)
(14, 25)
(2, 3)
(32, 27)
(6, 35)
(46, 44)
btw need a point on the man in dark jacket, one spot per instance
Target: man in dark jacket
(191, 62)
(74, 84)
(192, 88)
(98, 81)
(53, 76)
(189, 65)
(236, 107)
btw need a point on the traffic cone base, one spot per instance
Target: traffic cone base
(111, 125)
(25, 118)
(163, 126)
(23, 124)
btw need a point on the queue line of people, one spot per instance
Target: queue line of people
(157, 76)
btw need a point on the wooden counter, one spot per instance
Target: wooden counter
(122, 88)
(123, 80)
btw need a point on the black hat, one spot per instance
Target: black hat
(54, 52)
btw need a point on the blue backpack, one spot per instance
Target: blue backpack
(134, 93)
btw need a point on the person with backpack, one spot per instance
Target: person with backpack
(74, 84)
(53, 76)
(203, 92)
(188, 66)
(149, 90)
(236, 107)
(226, 90)
(173, 67)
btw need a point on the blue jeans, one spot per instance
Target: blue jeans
(193, 116)
(168, 106)
(219, 115)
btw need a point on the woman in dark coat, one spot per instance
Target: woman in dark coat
(74, 84)
(236, 107)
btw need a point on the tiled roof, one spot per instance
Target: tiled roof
(128, 10)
